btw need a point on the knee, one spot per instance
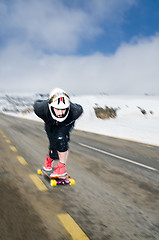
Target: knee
(62, 143)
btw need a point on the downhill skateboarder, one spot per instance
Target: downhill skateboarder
(59, 115)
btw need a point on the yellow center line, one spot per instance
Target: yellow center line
(13, 148)
(22, 160)
(72, 227)
(38, 183)
(67, 221)
(5, 137)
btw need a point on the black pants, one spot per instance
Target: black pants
(59, 137)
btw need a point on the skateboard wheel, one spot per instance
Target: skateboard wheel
(40, 172)
(53, 183)
(72, 181)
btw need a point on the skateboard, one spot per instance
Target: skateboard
(54, 181)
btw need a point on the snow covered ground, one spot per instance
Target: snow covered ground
(129, 124)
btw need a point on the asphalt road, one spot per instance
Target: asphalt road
(116, 195)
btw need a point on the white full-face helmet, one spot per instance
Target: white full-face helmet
(60, 100)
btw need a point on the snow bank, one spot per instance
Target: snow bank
(129, 124)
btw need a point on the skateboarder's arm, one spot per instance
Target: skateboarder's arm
(76, 110)
(40, 107)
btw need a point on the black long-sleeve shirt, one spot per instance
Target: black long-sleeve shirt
(41, 109)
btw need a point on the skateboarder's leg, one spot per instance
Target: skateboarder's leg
(63, 156)
(52, 155)
(63, 150)
(60, 142)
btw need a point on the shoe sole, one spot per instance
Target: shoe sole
(59, 176)
(46, 169)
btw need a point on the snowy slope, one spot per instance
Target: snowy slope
(129, 124)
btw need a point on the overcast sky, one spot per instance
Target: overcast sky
(82, 46)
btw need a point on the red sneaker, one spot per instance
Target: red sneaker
(48, 164)
(60, 170)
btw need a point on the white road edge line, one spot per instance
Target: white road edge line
(116, 156)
